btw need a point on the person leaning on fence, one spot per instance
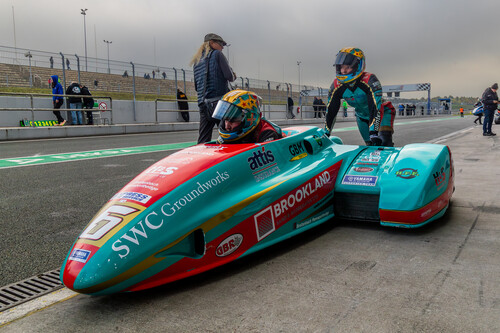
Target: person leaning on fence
(75, 103)
(88, 104)
(212, 74)
(182, 104)
(57, 101)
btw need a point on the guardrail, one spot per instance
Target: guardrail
(264, 107)
(33, 109)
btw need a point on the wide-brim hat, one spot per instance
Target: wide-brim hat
(215, 37)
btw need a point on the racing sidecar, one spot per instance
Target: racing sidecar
(210, 204)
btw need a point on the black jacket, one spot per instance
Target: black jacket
(488, 97)
(88, 102)
(74, 89)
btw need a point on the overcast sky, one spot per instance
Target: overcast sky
(453, 44)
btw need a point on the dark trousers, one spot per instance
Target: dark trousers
(90, 117)
(488, 120)
(207, 124)
(185, 116)
(57, 105)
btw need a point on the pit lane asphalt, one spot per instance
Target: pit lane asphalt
(341, 276)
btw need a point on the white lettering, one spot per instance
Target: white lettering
(119, 248)
(136, 232)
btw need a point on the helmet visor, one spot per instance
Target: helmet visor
(228, 111)
(344, 58)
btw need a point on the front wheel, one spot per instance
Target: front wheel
(497, 120)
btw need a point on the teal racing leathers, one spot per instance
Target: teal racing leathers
(375, 118)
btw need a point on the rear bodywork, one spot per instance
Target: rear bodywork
(210, 204)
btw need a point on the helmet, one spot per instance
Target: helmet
(353, 57)
(237, 106)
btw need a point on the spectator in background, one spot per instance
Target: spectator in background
(182, 104)
(96, 83)
(67, 64)
(490, 103)
(153, 74)
(88, 104)
(322, 107)
(345, 106)
(316, 108)
(289, 104)
(75, 103)
(51, 60)
(164, 75)
(125, 74)
(401, 109)
(57, 101)
(212, 74)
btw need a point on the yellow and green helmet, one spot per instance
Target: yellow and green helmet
(238, 106)
(353, 57)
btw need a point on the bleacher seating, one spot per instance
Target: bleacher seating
(18, 76)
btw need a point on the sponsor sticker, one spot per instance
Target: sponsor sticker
(229, 245)
(371, 159)
(80, 255)
(264, 223)
(263, 165)
(363, 169)
(161, 170)
(439, 177)
(407, 173)
(296, 149)
(136, 196)
(360, 180)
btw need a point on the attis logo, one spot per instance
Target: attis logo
(260, 158)
(407, 173)
(229, 245)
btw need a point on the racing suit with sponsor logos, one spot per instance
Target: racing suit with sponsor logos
(375, 118)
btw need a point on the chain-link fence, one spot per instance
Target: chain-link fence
(23, 68)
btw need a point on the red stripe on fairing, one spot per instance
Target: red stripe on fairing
(189, 266)
(180, 167)
(422, 214)
(73, 268)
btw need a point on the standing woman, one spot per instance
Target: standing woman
(212, 74)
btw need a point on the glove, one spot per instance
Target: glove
(326, 133)
(375, 139)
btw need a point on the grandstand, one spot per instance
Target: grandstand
(15, 71)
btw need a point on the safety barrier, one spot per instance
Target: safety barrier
(32, 109)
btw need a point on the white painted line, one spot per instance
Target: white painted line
(35, 305)
(450, 135)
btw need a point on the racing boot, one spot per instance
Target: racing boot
(386, 138)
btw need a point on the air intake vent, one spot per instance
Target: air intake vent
(26, 290)
(356, 206)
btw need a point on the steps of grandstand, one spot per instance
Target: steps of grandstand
(18, 76)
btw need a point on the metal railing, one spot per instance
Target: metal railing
(182, 78)
(32, 108)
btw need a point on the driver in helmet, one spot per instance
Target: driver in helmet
(363, 91)
(241, 120)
